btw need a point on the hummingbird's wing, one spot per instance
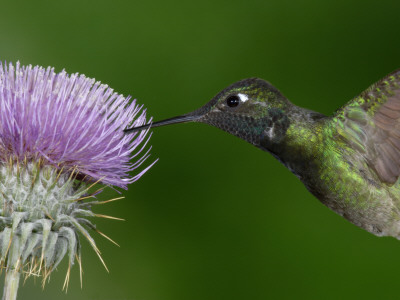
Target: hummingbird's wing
(370, 123)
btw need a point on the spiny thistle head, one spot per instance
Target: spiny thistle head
(60, 134)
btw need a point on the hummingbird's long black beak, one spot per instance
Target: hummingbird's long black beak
(175, 120)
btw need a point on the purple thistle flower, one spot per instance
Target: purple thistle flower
(70, 121)
(59, 134)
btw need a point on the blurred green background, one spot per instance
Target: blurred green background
(216, 218)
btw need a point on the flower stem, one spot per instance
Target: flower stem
(11, 285)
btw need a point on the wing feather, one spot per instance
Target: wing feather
(373, 118)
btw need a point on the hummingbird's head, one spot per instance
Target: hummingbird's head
(251, 109)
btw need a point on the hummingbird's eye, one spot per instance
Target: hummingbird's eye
(233, 101)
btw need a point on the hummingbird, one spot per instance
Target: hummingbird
(350, 160)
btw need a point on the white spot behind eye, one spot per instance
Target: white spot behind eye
(243, 97)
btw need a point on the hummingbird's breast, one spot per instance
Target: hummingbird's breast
(339, 176)
(347, 185)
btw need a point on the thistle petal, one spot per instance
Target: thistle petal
(69, 121)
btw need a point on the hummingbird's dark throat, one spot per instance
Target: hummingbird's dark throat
(271, 127)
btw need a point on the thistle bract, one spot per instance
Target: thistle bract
(60, 134)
